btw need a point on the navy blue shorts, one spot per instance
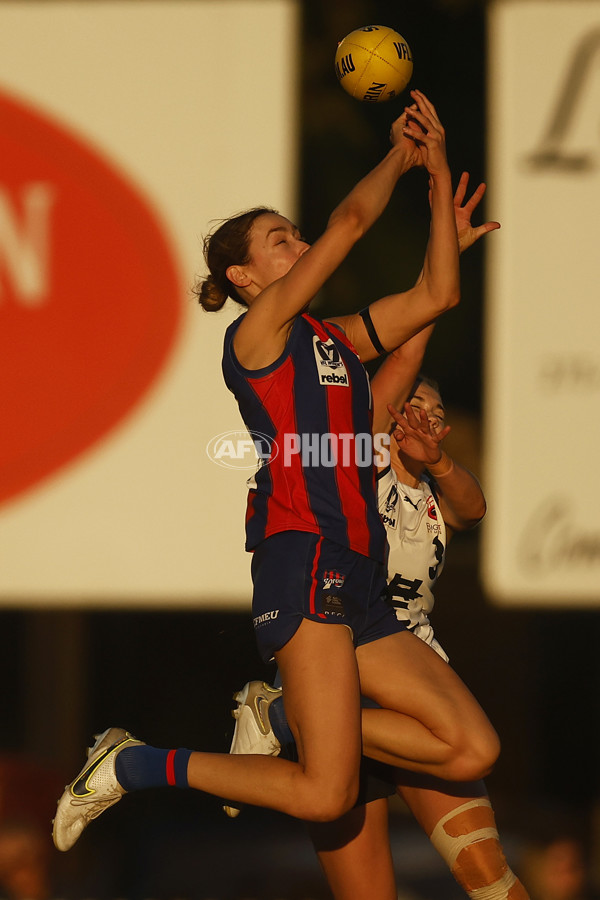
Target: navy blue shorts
(298, 575)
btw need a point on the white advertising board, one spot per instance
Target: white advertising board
(127, 129)
(542, 372)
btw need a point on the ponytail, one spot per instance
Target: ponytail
(227, 246)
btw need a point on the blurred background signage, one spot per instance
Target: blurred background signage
(127, 128)
(542, 359)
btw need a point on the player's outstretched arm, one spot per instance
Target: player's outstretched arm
(399, 316)
(396, 375)
(275, 303)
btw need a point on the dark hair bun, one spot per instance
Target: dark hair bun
(211, 297)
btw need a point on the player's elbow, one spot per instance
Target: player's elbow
(449, 298)
(466, 522)
(443, 298)
(454, 298)
(350, 219)
(481, 511)
(475, 515)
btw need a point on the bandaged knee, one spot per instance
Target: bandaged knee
(468, 840)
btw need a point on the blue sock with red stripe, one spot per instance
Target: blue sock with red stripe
(142, 767)
(282, 730)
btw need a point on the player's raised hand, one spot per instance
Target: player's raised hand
(403, 142)
(415, 435)
(424, 128)
(468, 233)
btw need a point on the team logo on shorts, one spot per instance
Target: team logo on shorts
(333, 579)
(332, 604)
(265, 618)
(330, 366)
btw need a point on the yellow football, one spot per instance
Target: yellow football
(373, 64)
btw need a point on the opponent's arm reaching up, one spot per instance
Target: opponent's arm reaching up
(397, 373)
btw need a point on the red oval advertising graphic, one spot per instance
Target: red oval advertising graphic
(90, 297)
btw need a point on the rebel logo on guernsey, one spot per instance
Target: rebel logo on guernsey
(330, 366)
(90, 297)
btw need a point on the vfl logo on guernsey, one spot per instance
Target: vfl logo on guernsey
(391, 499)
(388, 516)
(330, 366)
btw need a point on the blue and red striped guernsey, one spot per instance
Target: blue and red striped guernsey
(314, 405)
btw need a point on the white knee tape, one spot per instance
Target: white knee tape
(450, 846)
(496, 891)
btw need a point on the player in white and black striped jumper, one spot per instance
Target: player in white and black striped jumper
(416, 530)
(424, 496)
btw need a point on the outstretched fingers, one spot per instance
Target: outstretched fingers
(468, 234)
(424, 103)
(425, 129)
(476, 197)
(480, 230)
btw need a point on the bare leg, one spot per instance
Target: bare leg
(320, 678)
(431, 724)
(355, 853)
(430, 721)
(460, 823)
